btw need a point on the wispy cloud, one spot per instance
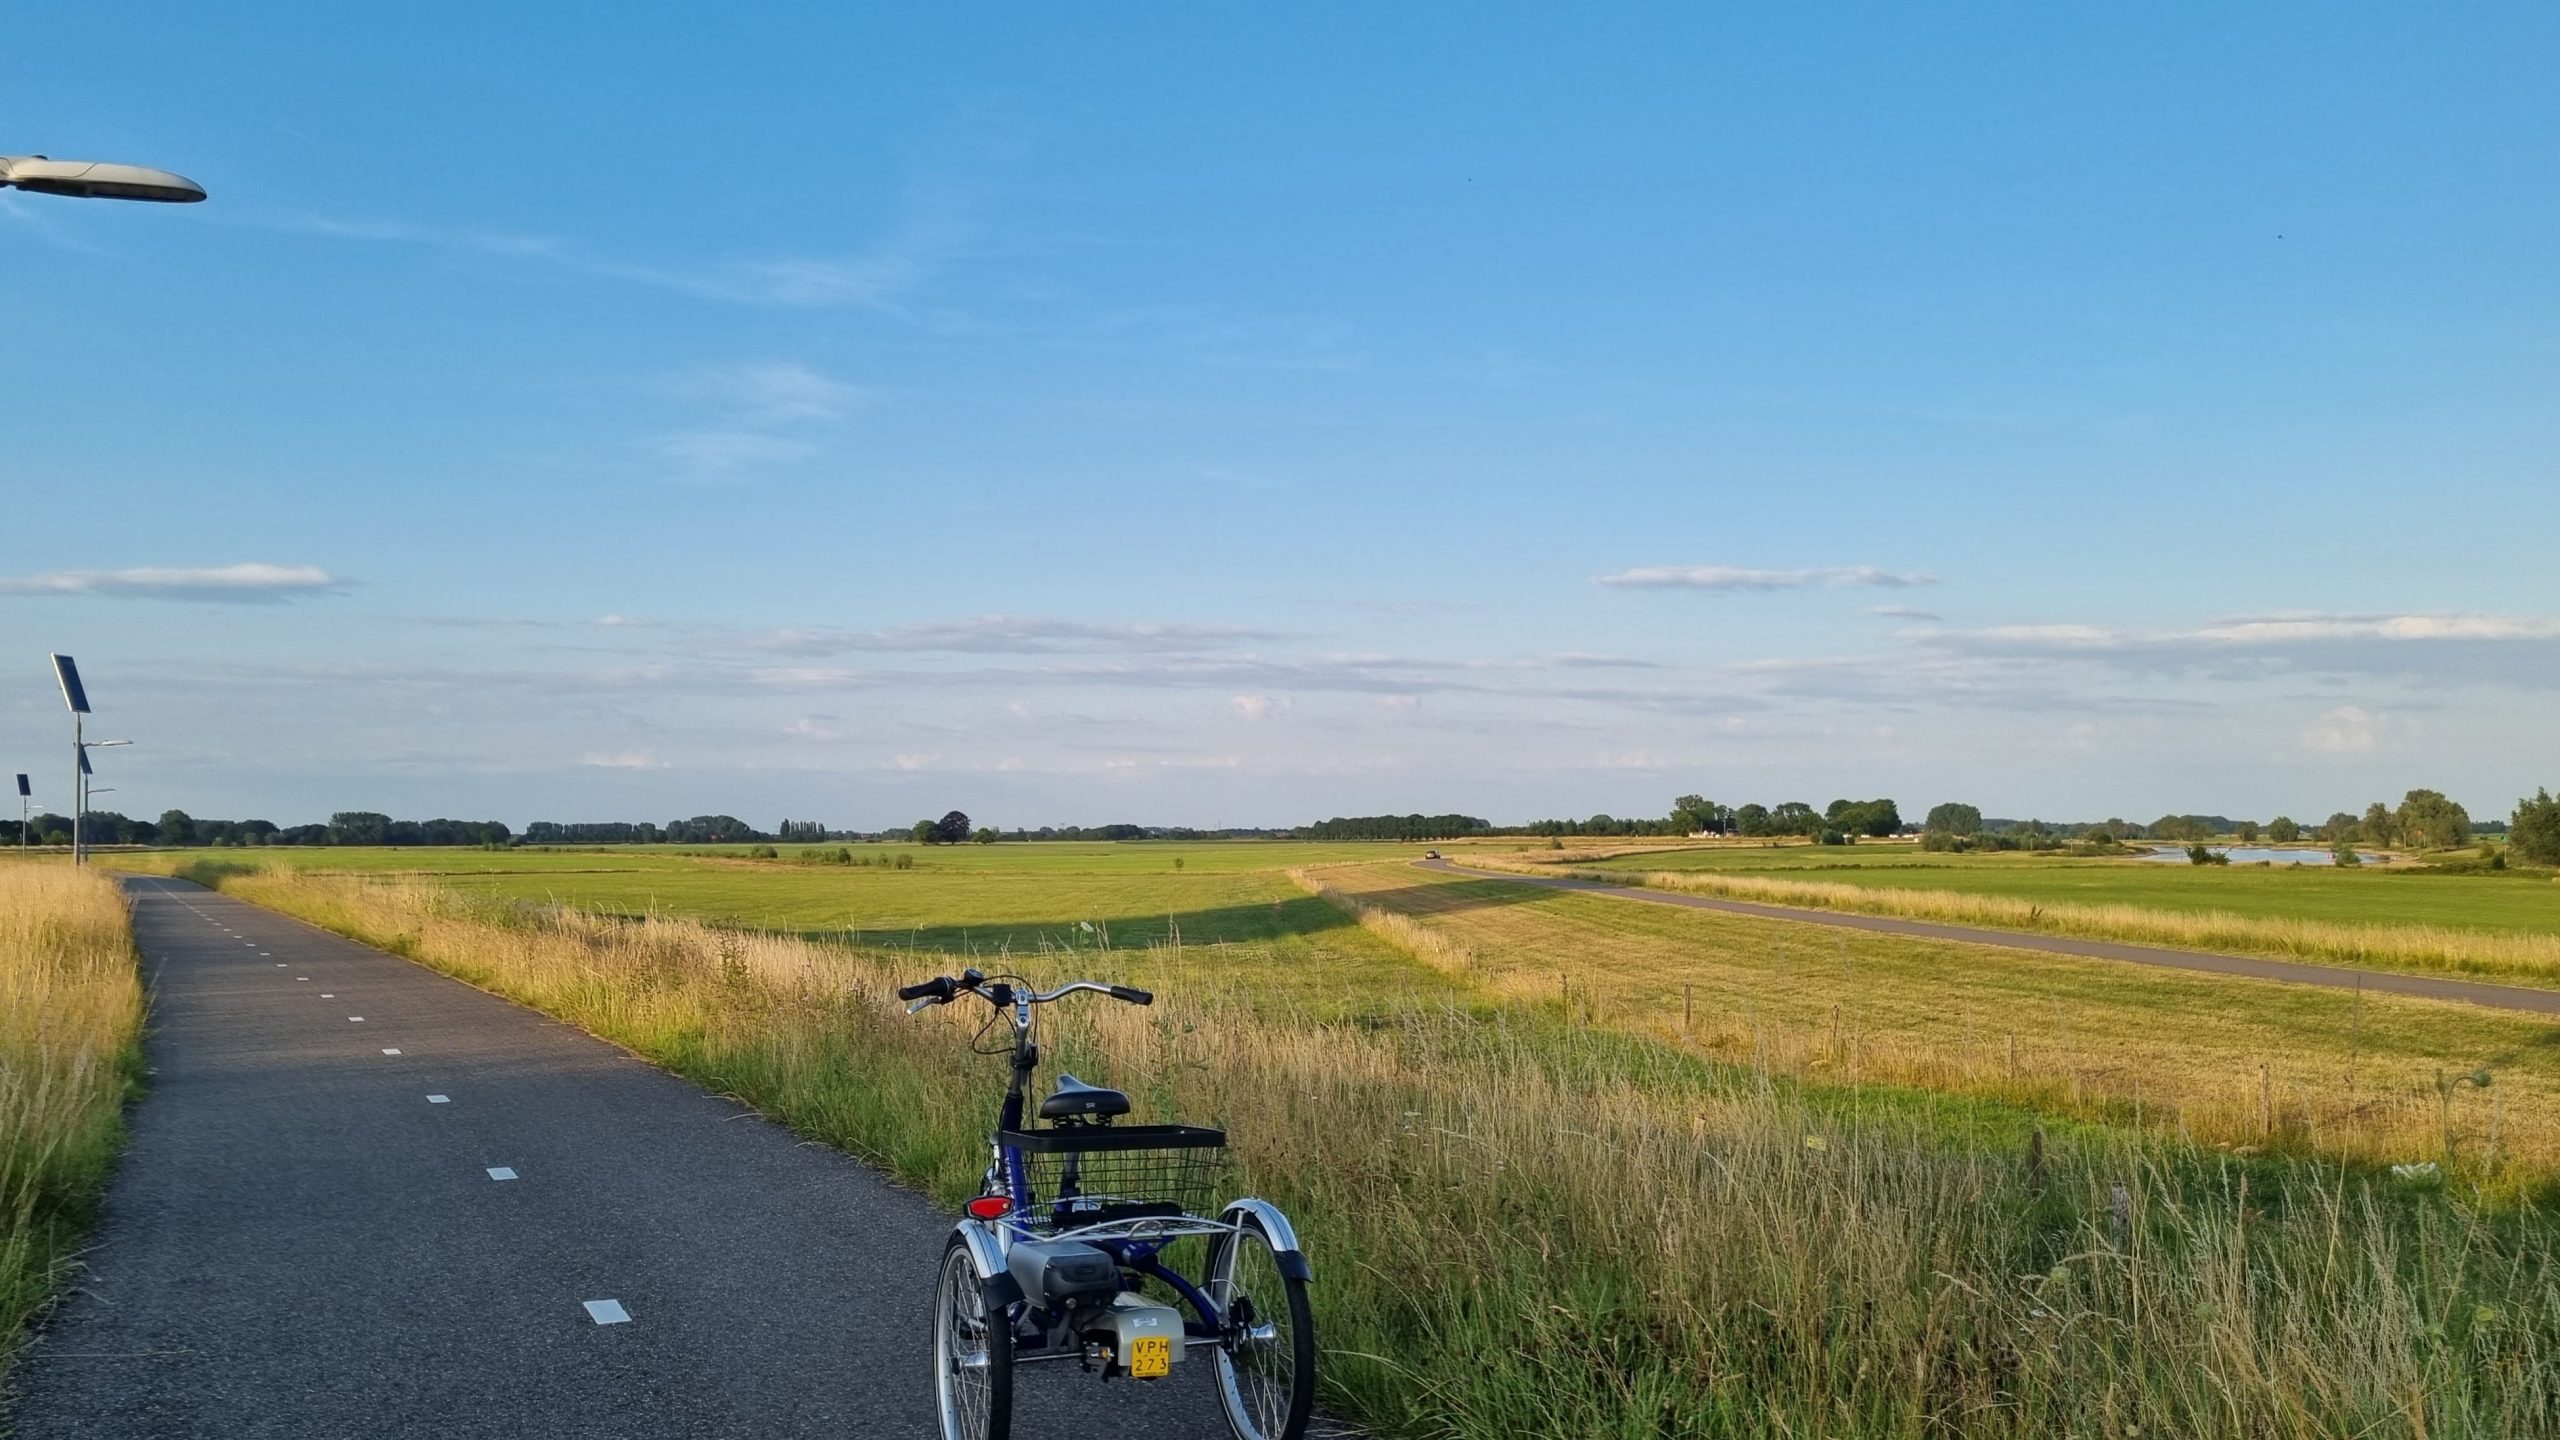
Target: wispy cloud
(238, 584)
(780, 392)
(2502, 649)
(1015, 635)
(1906, 612)
(1730, 578)
(717, 453)
(880, 277)
(622, 760)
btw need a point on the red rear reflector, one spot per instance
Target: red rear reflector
(990, 1207)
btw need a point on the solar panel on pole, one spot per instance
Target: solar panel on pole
(23, 791)
(66, 672)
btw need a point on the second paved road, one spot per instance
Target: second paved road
(304, 1241)
(2291, 972)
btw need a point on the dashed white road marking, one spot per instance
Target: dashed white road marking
(390, 1052)
(501, 1172)
(355, 1019)
(608, 1312)
(325, 995)
(439, 1099)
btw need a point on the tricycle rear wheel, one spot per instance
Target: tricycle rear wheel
(1266, 1369)
(972, 1353)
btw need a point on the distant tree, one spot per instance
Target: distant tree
(1953, 818)
(1795, 818)
(925, 832)
(2339, 826)
(2283, 831)
(1752, 819)
(2378, 826)
(1691, 814)
(2428, 819)
(2181, 827)
(988, 835)
(952, 829)
(176, 827)
(2342, 853)
(359, 827)
(2246, 830)
(2533, 834)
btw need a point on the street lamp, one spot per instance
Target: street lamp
(86, 774)
(95, 180)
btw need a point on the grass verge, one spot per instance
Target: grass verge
(70, 1054)
(1522, 1228)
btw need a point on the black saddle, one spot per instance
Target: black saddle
(1077, 1100)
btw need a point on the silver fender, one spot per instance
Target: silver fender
(1284, 1237)
(986, 1253)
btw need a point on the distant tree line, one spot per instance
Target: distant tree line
(1396, 827)
(1839, 823)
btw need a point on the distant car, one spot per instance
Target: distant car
(1430, 854)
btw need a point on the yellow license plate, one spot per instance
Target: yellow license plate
(1150, 1357)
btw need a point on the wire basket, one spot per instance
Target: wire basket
(1097, 1174)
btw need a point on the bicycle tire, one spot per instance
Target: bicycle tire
(1260, 1405)
(969, 1411)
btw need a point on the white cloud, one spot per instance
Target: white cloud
(2347, 730)
(912, 762)
(1729, 578)
(237, 583)
(1906, 612)
(1258, 707)
(813, 727)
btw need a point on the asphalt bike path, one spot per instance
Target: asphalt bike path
(303, 1240)
(2290, 972)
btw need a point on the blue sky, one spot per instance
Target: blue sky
(1192, 415)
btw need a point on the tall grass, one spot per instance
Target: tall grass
(1521, 1229)
(2529, 959)
(70, 1028)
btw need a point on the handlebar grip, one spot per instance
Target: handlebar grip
(937, 988)
(1132, 994)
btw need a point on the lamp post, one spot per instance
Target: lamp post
(86, 180)
(86, 774)
(95, 180)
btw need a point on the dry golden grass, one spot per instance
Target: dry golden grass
(1523, 1229)
(70, 1024)
(2229, 1061)
(2532, 959)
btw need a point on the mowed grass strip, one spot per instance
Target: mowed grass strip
(70, 1034)
(1526, 1228)
(2514, 957)
(2238, 1062)
(2517, 901)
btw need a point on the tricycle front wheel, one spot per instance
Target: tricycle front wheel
(1266, 1368)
